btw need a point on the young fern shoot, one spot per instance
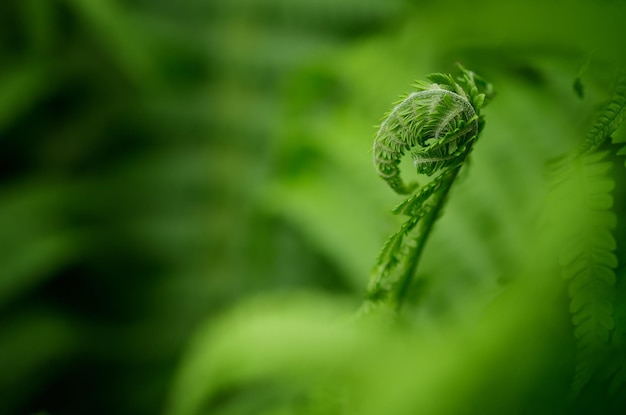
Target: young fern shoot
(437, 124)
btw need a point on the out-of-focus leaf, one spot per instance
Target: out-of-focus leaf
(21, 87)
(31, 346)
(368, 368)
(113, 25)
(33, 242)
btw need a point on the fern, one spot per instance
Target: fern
(610, 119)
(588, 259)
(438, 125)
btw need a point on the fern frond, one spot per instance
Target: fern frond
(588, 259)
(438, 124)
(610, 118)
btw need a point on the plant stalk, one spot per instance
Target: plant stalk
(425, 228)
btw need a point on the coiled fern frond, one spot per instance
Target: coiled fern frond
(437, 124)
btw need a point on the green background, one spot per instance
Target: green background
(163, 163)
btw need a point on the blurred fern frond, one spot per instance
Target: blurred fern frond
(588, 258)
(611, 117)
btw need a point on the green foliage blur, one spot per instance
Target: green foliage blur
(189, 213)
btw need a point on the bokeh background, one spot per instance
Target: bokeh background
(163, 161)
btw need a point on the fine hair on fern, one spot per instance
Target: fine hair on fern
(437, 125)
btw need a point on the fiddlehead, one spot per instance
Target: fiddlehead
(438, 125)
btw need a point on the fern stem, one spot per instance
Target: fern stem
(425, 229)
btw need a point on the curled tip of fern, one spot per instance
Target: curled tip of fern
(437, 124)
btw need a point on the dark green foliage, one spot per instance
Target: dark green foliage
(129, 185)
